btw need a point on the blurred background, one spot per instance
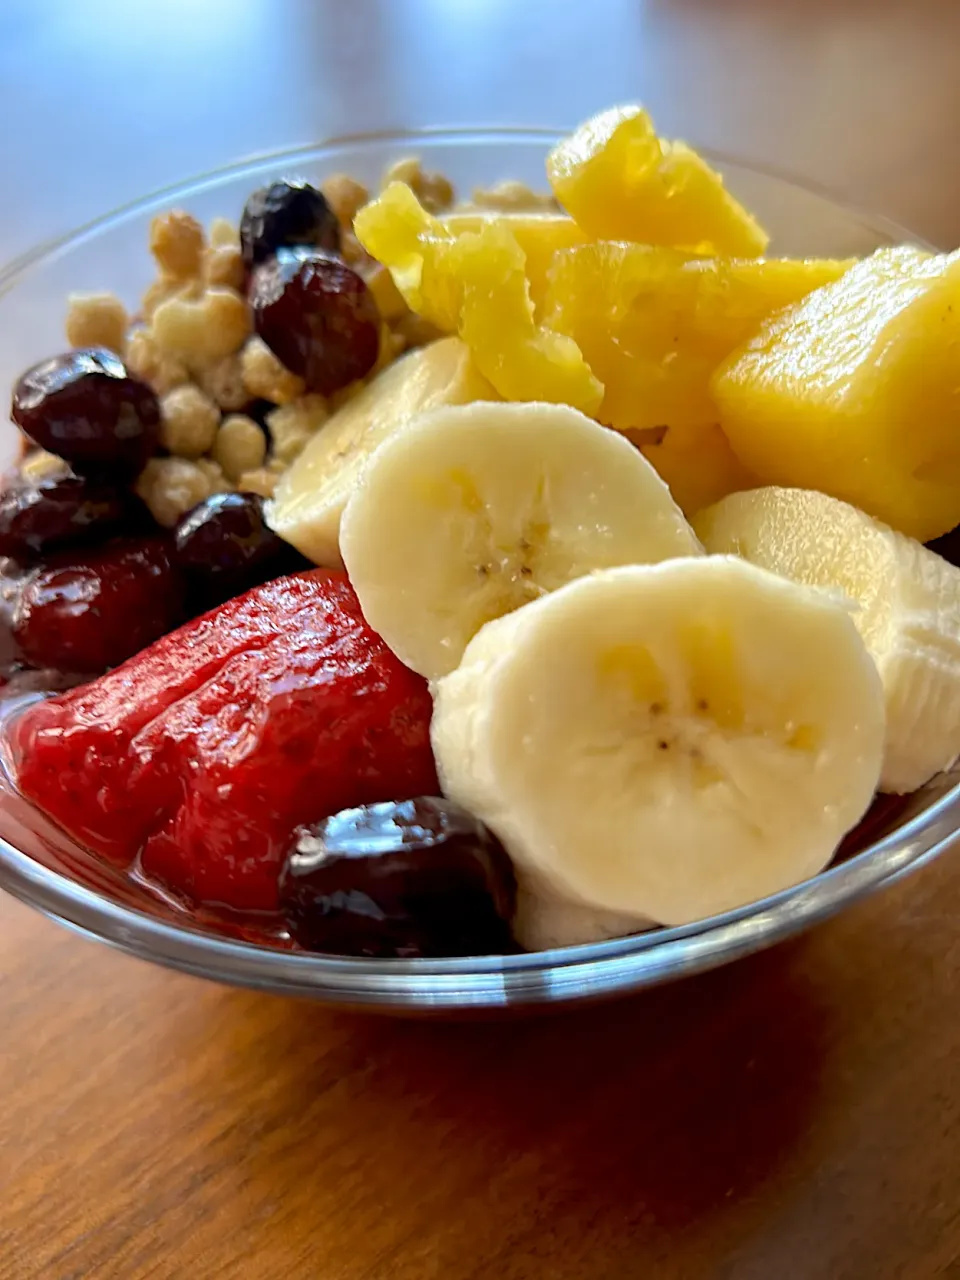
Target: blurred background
(103, 100)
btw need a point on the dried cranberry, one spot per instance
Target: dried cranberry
(409, 878)
(57, 507)
(84, 407)
(286, 213)
(86, 613)
(225, 546)
(317, 316)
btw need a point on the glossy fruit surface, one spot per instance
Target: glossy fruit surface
(83, 406)
(204, 752)
(317, 316)
(224, 546)
(56, 508)
(283, 214)
(853, 392)
(620, 181)
(86, 612)
(410, 878)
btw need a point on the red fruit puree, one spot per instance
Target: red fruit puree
(203, 752)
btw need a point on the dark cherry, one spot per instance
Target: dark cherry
(948, 546)
(88, 612)
(402, 878)
(317, 316)
(84, 407)
(56, 508)
(225, 546)
(284, 214)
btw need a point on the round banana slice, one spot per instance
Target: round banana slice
(907, 609)
(471, 512)
(543, 921)
(669, 740)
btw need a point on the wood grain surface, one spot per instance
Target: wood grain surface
(793, 1117)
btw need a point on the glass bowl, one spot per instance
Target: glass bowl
(42, 867)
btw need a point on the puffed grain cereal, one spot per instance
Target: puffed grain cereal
(188, 421)
(176, 242)
(96, 320)
(171, 487)
(265, 378)
(240, 446)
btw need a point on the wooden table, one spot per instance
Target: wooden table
(794, 1116)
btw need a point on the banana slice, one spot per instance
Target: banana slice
(473, 511)
(312, 493)
(668, 741)
(908, 611)
(543, 921)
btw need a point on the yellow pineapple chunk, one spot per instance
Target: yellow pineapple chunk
(539, 235)
(399, 232)
(474, 282)
(619, 181)
(855, 392)
(698, 467)
(655, 323)
(521, 359)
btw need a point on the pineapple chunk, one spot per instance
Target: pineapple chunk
(416, 247)
(855, 392)
(697, 465)
(539, 235)
(619, 181)
(475, 284)
(655, 323)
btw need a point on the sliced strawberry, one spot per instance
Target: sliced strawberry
(202, 753)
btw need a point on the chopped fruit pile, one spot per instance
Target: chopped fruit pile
(631, 720)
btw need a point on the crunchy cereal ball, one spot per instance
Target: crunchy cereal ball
(433, 190)
(265, 378)
(240, 446)
(188, 421)
(214, 472)
(513, 197)
(292, 425)
(223, 232)
(223, 265)
(345, 196)
(146, 361)
(386, 295)
(97, 320)
(223, 382)
(160, 290)
(170, 487)
(176, 242)
(201, 331)
(261, 480)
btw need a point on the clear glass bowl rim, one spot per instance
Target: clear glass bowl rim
(547, 977)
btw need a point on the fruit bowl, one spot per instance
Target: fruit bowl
(44, 868)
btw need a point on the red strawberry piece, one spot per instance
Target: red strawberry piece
(203, 752)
